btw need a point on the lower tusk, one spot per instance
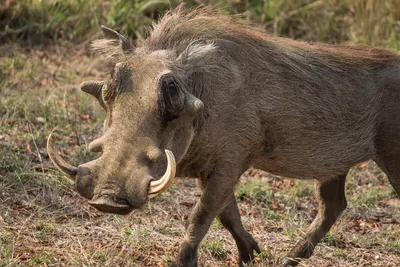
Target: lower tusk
(58, 161)
(161, 185)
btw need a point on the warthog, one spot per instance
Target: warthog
(220, 96)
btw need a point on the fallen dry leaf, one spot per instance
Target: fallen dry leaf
(28, 147)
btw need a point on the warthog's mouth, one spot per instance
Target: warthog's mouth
(111, 204)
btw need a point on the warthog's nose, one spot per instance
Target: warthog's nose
(111, 204)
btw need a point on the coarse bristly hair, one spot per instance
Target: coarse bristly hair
(185, 29)
(178, 28)
(181, 26)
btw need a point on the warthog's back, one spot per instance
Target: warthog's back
(323, 111)
(303, 110)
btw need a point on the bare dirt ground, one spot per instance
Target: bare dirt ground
(43, 222)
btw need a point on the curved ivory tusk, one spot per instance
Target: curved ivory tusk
(58, 161)
(161, 185)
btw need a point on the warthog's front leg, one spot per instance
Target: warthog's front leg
(217, 193)
(332, 201)
(230, 218)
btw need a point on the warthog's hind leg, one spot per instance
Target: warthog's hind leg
(230, 219)
(332, 201)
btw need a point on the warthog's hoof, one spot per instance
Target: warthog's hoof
(303, 250)
(187, 256)
(246, 251)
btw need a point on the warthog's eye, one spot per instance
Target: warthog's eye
(171, 98)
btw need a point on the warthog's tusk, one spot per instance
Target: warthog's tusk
(161, 185)
(58, 161)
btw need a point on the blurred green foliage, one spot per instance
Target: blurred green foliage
(371, 22)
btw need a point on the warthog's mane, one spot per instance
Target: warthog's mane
(239, 43)
(228, 52)
(178, 28)
(182, 26)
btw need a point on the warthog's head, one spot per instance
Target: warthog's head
(149, 124)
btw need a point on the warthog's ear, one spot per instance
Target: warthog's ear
(95, 89)
(124, 43)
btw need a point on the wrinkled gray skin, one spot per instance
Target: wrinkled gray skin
(306, 111)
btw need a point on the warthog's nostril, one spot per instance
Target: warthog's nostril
(111, 204)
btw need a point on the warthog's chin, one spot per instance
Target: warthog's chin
(111, 204)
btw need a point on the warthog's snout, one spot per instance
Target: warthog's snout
(107, 193)
(118, 195)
